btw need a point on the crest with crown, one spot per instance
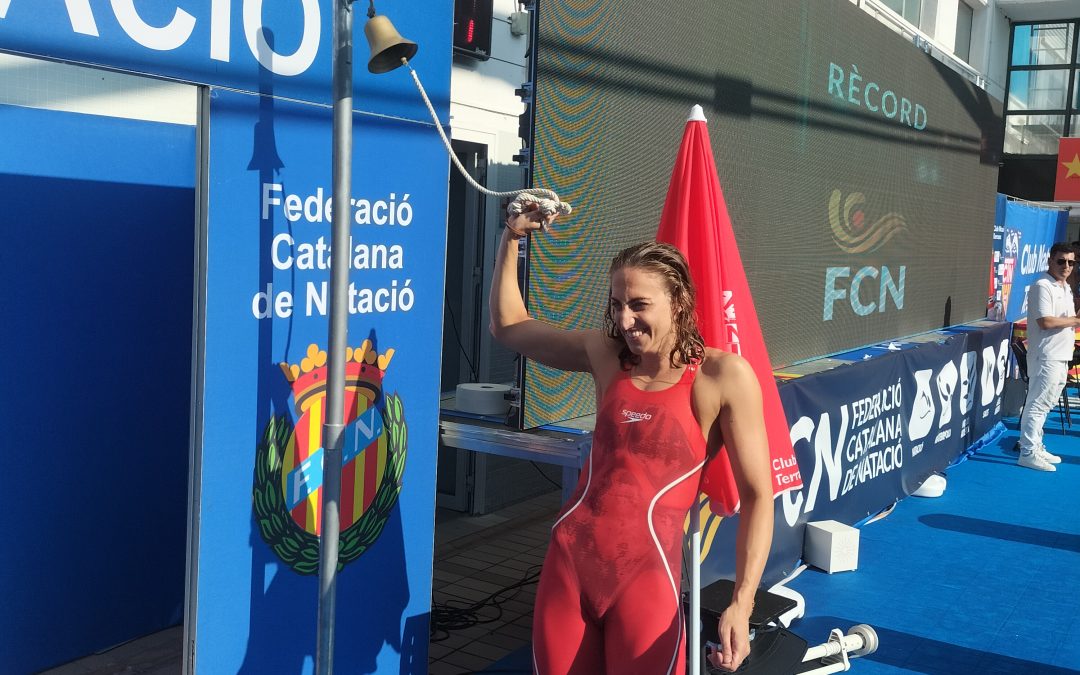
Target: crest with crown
(288, 485)
(364, 371)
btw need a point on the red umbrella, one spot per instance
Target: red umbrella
(696, 221)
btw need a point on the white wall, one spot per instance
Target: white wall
(483, 107)
(35, 83)
(997, 50)
(945, 23)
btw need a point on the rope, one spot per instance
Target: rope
(547, 201)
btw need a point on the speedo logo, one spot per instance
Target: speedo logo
(632, 416)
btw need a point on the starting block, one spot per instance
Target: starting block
(774, 650)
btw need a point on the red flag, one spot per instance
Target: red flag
(696, 221)
(1067, 187)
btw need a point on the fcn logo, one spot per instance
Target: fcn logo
(288, 481)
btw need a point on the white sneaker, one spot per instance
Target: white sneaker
(1051, 458)
(1035, 461)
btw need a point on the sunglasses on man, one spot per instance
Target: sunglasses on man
(1065, 261)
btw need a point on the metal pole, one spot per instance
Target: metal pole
(334, 426)
(695, 588)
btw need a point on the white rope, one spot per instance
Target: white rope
(547, 201)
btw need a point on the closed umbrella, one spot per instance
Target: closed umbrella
(695, 220)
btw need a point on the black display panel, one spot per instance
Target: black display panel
(859, 171)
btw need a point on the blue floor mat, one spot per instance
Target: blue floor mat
(984, 579)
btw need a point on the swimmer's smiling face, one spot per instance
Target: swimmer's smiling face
(640, 307)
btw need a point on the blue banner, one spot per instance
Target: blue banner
(267, 301)
(280, 48)
(995, 306)
(1023, 249)
(869, 433)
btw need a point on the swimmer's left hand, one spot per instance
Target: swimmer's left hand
(734, 632)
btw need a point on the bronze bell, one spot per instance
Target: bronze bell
(387, 45)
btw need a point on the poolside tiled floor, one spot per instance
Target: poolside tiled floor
(476, 558)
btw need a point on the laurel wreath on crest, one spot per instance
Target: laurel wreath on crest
(298, 548)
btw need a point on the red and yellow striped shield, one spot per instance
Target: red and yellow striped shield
(360, 477)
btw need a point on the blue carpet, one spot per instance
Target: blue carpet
(984, 579)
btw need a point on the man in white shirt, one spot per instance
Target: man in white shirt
(1051, 330)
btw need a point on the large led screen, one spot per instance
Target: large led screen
(859, 171)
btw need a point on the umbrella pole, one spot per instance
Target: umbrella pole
(334, 426)
(695, 589)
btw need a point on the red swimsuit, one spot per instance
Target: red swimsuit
(608, 599)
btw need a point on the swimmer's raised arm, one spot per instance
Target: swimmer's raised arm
(510, 321)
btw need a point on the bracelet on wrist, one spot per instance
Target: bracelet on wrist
(516, 233)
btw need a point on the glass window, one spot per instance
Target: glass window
(1033, 134)
(962, 43)
(1042, 44)
(909, 9)
(1038, 89)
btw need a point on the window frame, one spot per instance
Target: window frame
(1070, 112)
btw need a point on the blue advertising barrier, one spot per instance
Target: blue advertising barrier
(1022, 249)
(264, 365)
(869, 433)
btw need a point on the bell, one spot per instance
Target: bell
(387, 45)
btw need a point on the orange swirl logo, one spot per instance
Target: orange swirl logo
(849, 227)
